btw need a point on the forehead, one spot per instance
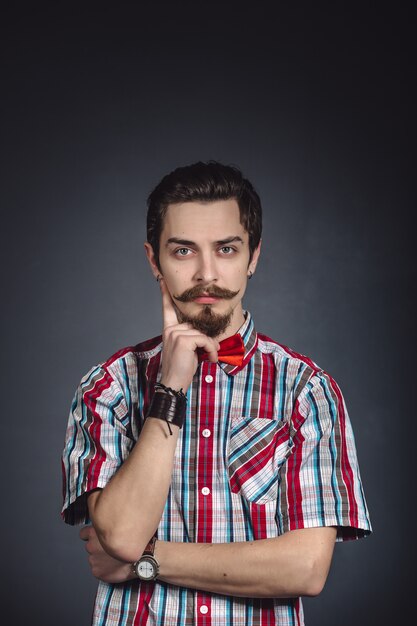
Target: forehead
(215, 220)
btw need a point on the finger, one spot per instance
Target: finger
(184, 330)
(210, 346)
(191, 338)
(85, 533)
(169, 315)
(213, 355)
(184, 327)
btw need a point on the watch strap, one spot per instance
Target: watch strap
(150, 548)
(148, 553)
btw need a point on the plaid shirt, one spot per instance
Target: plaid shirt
(265, 448)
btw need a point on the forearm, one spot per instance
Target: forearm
(127, 511)
(288, 566)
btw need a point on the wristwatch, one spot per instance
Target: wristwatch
(147, 567)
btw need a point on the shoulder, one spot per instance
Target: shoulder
(144, 350)
(268, 345)
(122, 367)
(301, 373)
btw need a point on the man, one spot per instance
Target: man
(217, 467)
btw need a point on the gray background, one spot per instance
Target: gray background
(316, 105)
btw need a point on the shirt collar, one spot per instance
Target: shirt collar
(250, 341)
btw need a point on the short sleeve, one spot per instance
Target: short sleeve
(320, 483)
(96, 443)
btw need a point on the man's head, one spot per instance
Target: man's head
(204, 182)
(204, 228)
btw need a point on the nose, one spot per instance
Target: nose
(206, 271)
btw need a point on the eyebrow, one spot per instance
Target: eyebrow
(223, 242)
(182, 242)
(220, 242)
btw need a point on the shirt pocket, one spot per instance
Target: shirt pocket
(257, 449)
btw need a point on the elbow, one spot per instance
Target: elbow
(308, 581)
(122, 546)
(307, 560)
(121, 541)
(315, 580)
(314, 587)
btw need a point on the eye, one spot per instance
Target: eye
(227, 250)
(182, 251)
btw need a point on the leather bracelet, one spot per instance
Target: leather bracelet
(172, 392)
(169, 408)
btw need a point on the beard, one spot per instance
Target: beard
(207, 322)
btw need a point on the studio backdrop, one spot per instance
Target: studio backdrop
(317, 110)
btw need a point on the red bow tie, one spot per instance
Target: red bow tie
(231, 351)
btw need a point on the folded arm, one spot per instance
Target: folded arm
(294, 564)
(126, 513)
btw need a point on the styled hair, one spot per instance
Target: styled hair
(204, 182)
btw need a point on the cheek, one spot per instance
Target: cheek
(240, 274)
(174, 281)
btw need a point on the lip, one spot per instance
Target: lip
(206, 299)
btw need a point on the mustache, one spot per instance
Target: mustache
(198, 290)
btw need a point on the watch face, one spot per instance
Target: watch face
(146, 569)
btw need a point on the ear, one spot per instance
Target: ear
(254, 260)
(152, 259)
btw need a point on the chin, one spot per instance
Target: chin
(208, 321)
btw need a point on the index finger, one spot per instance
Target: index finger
(85, 533)
(169, 315)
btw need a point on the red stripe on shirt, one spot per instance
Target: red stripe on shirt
(204, 518)
(90, 400)
(294, 492)
(347, 472)
(267, 390)
(267, 612)
(145, 595)
(205, 456)
(258, 515)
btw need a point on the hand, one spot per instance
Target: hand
(102, 565)
(180, 342)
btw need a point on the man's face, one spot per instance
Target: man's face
(204, 260)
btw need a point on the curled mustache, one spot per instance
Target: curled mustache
(198, 290)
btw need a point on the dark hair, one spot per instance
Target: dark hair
(204, 182)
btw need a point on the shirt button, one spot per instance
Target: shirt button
(209, 378)
(206, 432)
(205, 491)
(203, 609)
